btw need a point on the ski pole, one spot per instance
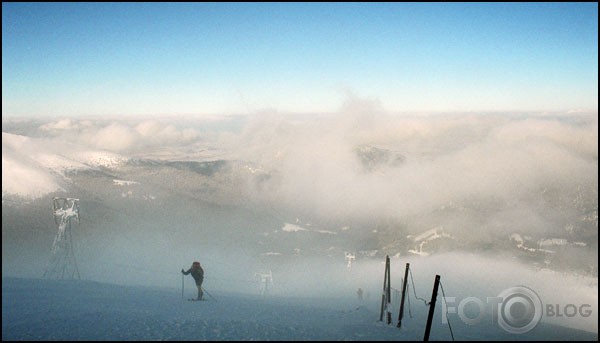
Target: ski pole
(181, 285)
(209, 294)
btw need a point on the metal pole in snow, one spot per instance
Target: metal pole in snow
(431, 308)
(401, 313)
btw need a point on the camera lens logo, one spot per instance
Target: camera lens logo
(520, 310)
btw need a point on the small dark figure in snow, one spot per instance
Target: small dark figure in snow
(198, 275)
(360, 294)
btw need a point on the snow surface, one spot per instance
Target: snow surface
(38, 309)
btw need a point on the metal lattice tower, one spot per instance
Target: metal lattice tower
(62, 262)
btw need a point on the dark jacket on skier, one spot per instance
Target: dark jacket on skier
(197, 272)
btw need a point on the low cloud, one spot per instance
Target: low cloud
(121, 136)
(493, 164)
(480, 173)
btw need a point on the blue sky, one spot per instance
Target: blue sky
(71, 59)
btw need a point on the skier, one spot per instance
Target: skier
(360, 294)
(198, 275)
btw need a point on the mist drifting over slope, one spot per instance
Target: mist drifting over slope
(294, 193)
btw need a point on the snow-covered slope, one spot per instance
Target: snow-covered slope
(35, 309)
